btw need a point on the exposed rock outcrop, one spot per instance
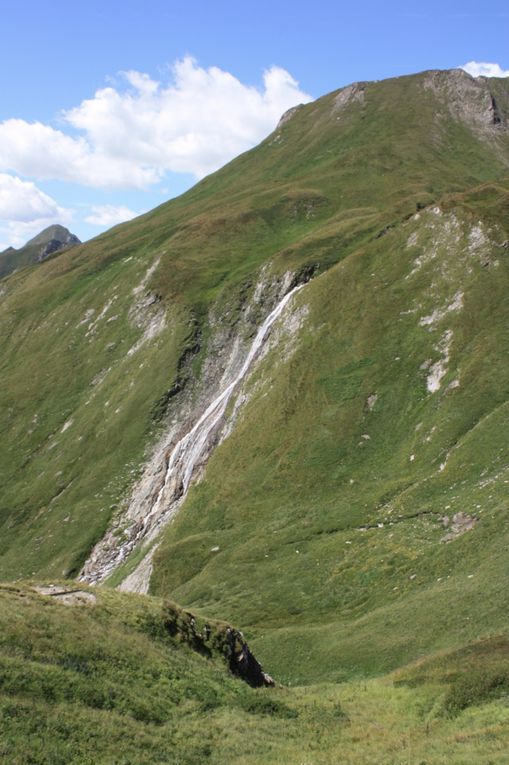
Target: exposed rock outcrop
(352, 93)
(457, 525)
(69, 596)
(471, 100)
(209, 637)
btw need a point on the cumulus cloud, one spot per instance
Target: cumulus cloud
(130, 136)
(25, 210)
(484, 69)
(23, 201)
(40, 151)
(109, 215)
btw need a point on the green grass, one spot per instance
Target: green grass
(327, 510)
(287, 503)
(319, 194)
(108, 684)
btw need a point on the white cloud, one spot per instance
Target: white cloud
(23, 201)
(40, 151)
(25, 210)
(484, 69)
(110, 215)
(130, 137)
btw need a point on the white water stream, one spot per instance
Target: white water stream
(191, 447)
(189, 453)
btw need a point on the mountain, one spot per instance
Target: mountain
(281, 400)
(51, 240)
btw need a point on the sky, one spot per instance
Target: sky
(110, 108)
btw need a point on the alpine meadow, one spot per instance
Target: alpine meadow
(280, 401)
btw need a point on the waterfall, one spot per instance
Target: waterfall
(188, 454)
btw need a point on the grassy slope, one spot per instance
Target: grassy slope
(319, 191)
(286, 503)
(315, 191)
(105, 684)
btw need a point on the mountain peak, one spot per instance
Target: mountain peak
(47, 242)
(55, 233)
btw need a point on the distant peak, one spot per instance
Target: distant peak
(51, 240)
(55, 232)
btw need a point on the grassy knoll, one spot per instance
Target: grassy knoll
(106, 683)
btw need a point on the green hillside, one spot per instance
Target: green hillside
(104, 682)
(330, 512)
(352, 518)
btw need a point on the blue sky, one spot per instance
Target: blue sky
(83, 142)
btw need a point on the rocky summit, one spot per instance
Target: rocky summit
(51, 240)
(280, 400)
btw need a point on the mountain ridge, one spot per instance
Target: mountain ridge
(354, 499)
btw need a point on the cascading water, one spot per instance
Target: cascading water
(189, 453)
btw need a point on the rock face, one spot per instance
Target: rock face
(51, 240)
(476, 101)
